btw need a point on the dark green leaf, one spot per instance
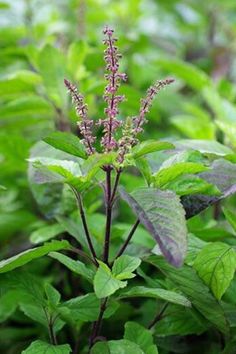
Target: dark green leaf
(187, 280)
(156, 293)
(27, 256)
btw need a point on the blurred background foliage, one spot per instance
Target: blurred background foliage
(41, 42)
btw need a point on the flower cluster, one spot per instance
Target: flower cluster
(114, 77)
(132, 126)
(146, 104)
(86, 124)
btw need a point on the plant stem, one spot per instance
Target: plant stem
(98, 323)
(108, 215)
(83, 254)
(52, 334)
(158, 317)
(87, 234)
(115, 186)
(132, 231)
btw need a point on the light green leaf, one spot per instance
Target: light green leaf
(231, 217)
(19, 82)
(139, 335)
(46, 233)
(67, 142)
(229, 129)
(26, 106)
(94, 163)
(215, 265)
(52, 68)
(53, 295)
(194, 77)
(122, 346)
(163, 216)
(45, 348)
(31, 254)
(75, 266)
(156, 293)
(204, 146)
(124, 266)
(105, 283)
(169, 174)
(150, 146)
(191, 184)
(193, 127)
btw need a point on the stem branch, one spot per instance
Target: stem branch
(158, 317)
(132, 231)
(87, 234)
(98, 323)
(108, 215)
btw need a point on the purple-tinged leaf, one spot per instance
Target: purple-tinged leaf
(163, 216)
(223, 175)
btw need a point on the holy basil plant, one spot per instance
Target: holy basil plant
(111, 261)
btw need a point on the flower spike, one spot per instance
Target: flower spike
(86, 124)
(114, 77)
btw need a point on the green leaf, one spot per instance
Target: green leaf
(53, 295)
(139, 335)
(86, 308)
(94, 163)
(193, 76)
(180, 321)
(122, 346)
(8, 304)
(156, 293)
(204, 146)
(105, 283)
(187, 280)
(31, 254)
(145, 169)
(190, 184)
(124, 266)
(75, 266)
(195, 245)
(163, 215)
(51, 65)
(231, 217)
(67, 142)
(45, 348)
(26, 106)
(150, 146)
(229, 129)
(19, 82)
(46, 233)
(215, 265)
(194, 127)
(169, 174)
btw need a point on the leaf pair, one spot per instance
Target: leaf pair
(107, 281)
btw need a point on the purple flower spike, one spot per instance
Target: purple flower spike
(146, 104)
(133, 127)
(114, 77)
(85, 125)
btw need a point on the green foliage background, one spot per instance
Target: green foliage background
(42, 42)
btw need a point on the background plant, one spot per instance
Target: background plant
(38, 49)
